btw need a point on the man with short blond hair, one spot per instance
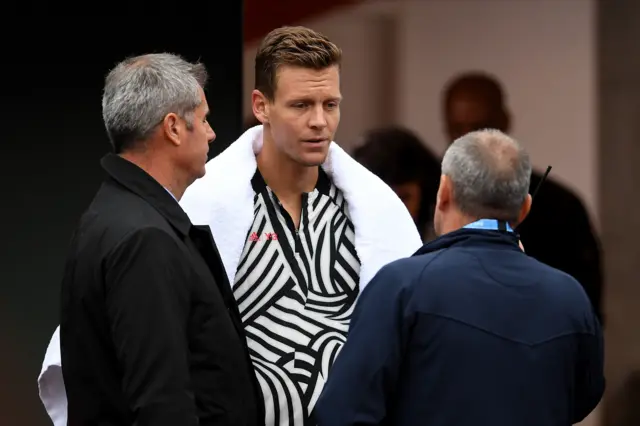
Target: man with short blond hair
(301, 226)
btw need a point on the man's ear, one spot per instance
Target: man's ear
(445, 195)
(524, 210)
(171, 127)
(260, 106)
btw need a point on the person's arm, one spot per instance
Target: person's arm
(147, 305)
(366, 370)
(589, 379)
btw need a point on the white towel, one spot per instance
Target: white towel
(51, 383)
(223, 199)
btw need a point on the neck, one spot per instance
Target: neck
(456, 220)
(283, 175)
(160, 169)
(459, 220)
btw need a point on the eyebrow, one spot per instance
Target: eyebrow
(307, 99)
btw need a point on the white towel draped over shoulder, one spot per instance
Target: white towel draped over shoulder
(223, 200)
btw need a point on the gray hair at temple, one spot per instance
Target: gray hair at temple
(490, 174)
(140, 91)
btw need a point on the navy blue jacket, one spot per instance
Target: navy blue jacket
(469, 331)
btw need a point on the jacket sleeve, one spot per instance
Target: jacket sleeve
(366, 370)
(147, 303)
(589, 380)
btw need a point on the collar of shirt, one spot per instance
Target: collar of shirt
(323, 185)
(490, 224)
(170, 193)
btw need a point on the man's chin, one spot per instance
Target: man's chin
(311, 164)
(313, 159)
(200, 173)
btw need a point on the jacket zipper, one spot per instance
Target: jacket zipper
(289, 220)
(305, 198)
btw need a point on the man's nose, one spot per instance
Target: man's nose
(211, 135)
(318, 117)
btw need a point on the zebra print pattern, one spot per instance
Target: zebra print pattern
(296, 293)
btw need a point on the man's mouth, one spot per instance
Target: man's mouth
(315, 140)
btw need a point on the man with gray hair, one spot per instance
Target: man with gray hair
(470, 330)
(149, 333)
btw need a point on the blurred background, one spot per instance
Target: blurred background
(566, 73)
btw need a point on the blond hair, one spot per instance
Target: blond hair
(292, 46)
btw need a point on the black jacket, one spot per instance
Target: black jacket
(469, 331)
(150, 333)
(558, 232)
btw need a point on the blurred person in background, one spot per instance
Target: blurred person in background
(403, 161)
(470, 330)
(558, 231)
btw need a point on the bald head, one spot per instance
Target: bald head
(474, 101)
(489, 173)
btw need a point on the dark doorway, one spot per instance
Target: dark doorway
(52, 140)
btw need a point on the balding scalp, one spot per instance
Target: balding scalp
(490, 173)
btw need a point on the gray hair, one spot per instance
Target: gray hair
(140, 91)
(490, 173)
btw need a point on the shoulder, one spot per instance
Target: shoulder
(406, 272)
(566, 299)
(560, 286)
(397, 283)
(146, 249)
(149, 259)
(116, 207)
(111, 220)
(152, 238)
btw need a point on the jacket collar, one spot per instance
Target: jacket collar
(323, 185)
(141, 183)
(472, 238)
